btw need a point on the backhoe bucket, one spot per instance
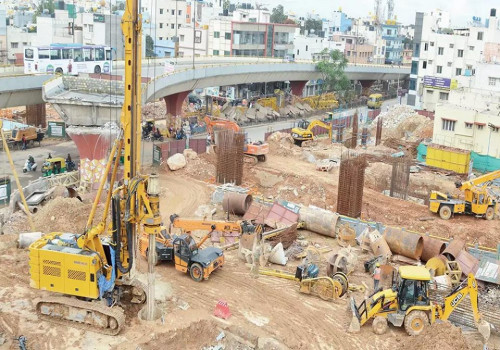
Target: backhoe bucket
(355, 326)
(484, 328)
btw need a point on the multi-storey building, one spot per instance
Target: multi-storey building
(393, 42)
(441, 55)
(338, 23)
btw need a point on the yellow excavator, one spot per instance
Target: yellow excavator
(478, 201)
(92, 272)
(408, 304)
(303, 132)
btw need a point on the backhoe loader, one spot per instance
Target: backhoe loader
(478, 201)
(304, 131)
(407, 304)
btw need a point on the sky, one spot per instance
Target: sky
(461, 11)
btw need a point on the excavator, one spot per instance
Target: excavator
(303, 132)
(90, 275)
(254, 151)
(478, 201)
(408, 304)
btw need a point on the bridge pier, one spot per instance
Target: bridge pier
(174, 102)
(366, 84)
(298, 87)
(36, 115)
(93, 145)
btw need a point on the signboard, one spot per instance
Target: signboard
(156, 154)
(56, 129)
(437, 83)
(230, 92)
(98, 18)
(71, 10)
(212, 91)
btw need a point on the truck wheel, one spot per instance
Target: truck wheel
(379, 325)
(97, 69)
(196, 272)
(445, 212)
(59, 71)
(490, 213)
(415, 322)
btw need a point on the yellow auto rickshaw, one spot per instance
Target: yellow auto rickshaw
(55, 165)
(374, 101)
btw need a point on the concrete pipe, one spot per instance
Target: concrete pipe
(319, 220)
(25, 239)
(453, 249)
(432, 247)
(404, 243)
(236, 203)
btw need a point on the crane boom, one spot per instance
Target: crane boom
(479, 180)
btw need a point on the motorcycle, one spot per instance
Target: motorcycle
(29, 166)
(70, 165)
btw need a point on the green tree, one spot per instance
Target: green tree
(278, 14)
(315, 24)
(44, 5)
(150, 50)
(332, 69)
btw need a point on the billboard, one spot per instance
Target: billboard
(437, 82)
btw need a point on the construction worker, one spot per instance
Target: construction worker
(376, 277)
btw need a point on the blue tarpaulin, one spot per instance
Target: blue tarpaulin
(104, 284)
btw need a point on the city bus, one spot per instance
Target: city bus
(67, 59)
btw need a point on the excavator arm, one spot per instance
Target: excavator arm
(322, 124)
(220, 123)
(467, 287)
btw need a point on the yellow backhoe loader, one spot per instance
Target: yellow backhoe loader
(407, 304)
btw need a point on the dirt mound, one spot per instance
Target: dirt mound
(441, 335)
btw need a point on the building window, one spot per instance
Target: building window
(161, 11)
(172, 26)
(227, 36)
(471, 48)
(468, 125)
(432, 43)
(448, 125)
(480, 127)
(479, 35)
(460, 53)
(180, 12)
(227, 53)
(307, 48)
(161, 38)
(443, 96)
(458, 71)
(440, 50)
(172, 12)
(215, 53)
(178, 26)
(424, 64)
(161, 25)
(216, 35)
(439, 69)
(451, 46)
(426, 46)
(14, 45)
(91, 28)
(492, 81)
(413, 84)
(429, 62)
(389, 32)
(182, 37)
(449, 64)
(414, 67)
(494, 128)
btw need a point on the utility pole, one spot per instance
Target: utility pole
(194, 30)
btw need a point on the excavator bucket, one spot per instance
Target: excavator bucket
(355, 326)
(484, 328)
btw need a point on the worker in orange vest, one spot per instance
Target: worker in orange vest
(376, 277)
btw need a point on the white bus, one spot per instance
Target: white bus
(67, 59)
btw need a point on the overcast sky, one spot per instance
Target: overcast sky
(461, 11)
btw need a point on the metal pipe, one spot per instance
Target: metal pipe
(404, 243)
(453, 249)
(236, 203)
(150, 302)
(111, 183)
(432, 248)
(14, 172)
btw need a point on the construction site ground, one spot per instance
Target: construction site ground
(263, 307)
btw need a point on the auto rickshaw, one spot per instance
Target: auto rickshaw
(52, 166)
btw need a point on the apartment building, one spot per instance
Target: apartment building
(443, 54)
(393, 42)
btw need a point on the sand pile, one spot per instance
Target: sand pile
(440, 335)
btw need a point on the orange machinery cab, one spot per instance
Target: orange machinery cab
(164, 249)
(200, 263)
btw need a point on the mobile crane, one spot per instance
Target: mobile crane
(478, 201)
(408, 303)
(94, 272)
(303, 132)
(256, 151)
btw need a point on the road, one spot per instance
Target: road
(61, 149)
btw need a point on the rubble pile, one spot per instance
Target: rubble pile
(440, 335)
(394, 116)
